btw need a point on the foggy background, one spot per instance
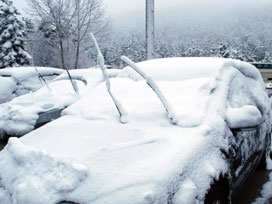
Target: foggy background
(130, 14)
(239, 29)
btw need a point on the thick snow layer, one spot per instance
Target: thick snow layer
(142, 104)
(146, 160)
(19, 116)
(7, 89)
(140, 161)
(45, 174)
(23, 73)
(17, 81)
(189, 68)
(242, 117)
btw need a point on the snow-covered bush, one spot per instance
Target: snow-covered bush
(12, 37)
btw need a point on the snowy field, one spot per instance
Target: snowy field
(88, 156)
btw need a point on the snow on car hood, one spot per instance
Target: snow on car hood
(146, 160)
(126, 163)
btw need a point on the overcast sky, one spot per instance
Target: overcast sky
(131, 13)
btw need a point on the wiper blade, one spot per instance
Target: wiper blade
(100, 59)
(151, 83)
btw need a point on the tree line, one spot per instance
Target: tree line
(57, 35)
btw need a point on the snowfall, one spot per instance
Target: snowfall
(89, 156)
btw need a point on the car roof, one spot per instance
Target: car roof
(23, 73)
(184, 68)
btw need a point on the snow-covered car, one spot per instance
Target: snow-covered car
(202, 151)
(17, 81)
(27, 112)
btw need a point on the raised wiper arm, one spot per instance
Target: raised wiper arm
(101, 62)
(42, 78)
(170, 112)
(74, 85)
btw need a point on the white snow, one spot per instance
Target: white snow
(53, 175)
(170, 112)
(7, 88)
(268, 85)
(246, 116)
(187, 193)
(23, 80)
(7, 45)
(23, 73)
(19, 116)
(146, 160)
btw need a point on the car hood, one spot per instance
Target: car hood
(109, 162)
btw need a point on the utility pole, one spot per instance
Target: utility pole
(149, 29)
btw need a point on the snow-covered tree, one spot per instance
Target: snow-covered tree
(12, 37)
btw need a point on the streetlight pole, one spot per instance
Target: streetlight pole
(149, 29)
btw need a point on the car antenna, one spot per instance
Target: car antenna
(101, 62)
(151, 83)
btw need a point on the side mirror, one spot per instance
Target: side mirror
(243, 117)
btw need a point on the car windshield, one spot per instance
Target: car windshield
(188, 98)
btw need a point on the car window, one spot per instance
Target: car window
(240, 93)
(243, 108)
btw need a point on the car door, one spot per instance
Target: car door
(246, 135)
(245, 153)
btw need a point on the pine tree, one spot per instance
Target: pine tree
(12, 37)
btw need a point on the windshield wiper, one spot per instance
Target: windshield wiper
(151, 83)
(101, 62)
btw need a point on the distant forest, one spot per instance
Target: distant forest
(246, 36)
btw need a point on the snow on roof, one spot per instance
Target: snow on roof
(23, 80)
(23, 73)
(176, 69)
(147, 160)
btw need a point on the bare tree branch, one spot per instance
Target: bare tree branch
(68, 23)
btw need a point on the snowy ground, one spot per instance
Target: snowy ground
(265, 193)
